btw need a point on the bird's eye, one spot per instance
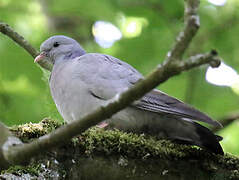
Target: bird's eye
(56, 44)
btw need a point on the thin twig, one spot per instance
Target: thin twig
(8, 31)
(200, 59)
(191, 25)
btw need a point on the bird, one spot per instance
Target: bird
(81, 82)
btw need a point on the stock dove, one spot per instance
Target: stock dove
(80, 82)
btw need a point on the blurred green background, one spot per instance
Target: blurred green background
(140, 32)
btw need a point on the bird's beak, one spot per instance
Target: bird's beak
(41, 56)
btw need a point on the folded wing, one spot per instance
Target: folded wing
(159, 102)
(110, 76)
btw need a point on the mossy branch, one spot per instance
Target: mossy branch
(171, 66)
(114, 154)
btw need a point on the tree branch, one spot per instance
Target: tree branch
(8, 31)
(191, 25)
(172, 66)
(200, 59)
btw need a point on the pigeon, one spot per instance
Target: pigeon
(81, 82)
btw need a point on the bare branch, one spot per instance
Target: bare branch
(8, 31)
(200, 59)
(191, 25)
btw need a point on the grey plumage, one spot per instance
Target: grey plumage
(80, 82)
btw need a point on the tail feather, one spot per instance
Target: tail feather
(205, 139)
(208, 140)
(181, 130)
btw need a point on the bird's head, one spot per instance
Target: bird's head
(59, 48)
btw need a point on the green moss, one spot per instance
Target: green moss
(234, 174)
(30, 131)
(19, 170)
(131, 145)
(96, 140)
(114, 143)
(229, 161)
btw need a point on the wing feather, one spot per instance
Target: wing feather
(159, 102)
(110, 76)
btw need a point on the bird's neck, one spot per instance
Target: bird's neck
(74, 54)
(69, 56)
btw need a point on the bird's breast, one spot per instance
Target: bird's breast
(71, 95)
